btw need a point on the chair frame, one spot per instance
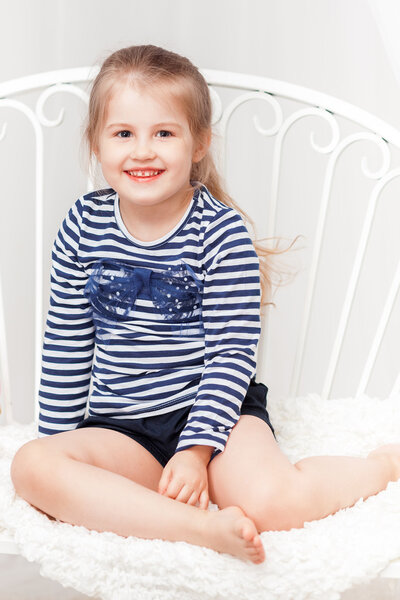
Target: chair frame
(249, 87)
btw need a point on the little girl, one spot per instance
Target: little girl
(158, 274)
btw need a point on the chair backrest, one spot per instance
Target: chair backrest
(297, 161)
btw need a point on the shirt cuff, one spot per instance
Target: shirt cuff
(204, 438)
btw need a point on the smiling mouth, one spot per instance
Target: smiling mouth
(144, 174)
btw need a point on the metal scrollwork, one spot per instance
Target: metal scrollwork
(314, 112)
(30, 115)
(366, 136)
(51, 91)
(240, 100)
(392, 293)
(377, 174)
(216, 105)
(265, 97)
(3, 132)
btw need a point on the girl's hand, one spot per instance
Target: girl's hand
(185, 478)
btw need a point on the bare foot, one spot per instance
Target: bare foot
(229, 530)
(391, 451)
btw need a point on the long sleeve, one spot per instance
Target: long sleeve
(231, 317)
(68, 345)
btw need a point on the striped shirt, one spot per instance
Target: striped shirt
(154, 326)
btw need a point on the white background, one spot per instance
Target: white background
(334, 46)
(330, 45)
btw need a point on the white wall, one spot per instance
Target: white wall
(330, 45)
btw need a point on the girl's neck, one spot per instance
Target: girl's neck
(152, 223)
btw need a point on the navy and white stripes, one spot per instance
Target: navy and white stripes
(129, 300)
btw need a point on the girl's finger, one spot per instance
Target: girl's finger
(204, 500)
(193, 499)
(164, 481)
(174, 489)
(185, 493)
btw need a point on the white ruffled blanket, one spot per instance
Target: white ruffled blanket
(318, 561)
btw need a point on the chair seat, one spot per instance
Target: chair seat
(353, 546)
(392, 570)
(7, 543)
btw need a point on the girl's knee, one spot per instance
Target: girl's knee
(278, 506)
(27, 465)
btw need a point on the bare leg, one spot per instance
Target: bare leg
(83, 494)
(337, 482)
(253, 473)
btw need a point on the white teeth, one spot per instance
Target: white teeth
(143, 173)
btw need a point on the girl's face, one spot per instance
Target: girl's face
(146, 149)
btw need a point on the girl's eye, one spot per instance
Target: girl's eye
(124, 134)
(164, 133)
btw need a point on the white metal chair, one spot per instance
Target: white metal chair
(301, 182)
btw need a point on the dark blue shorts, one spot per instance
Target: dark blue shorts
(160, 434)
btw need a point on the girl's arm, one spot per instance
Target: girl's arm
(69, 335)
(231, 316)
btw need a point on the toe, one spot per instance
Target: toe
(248, 530)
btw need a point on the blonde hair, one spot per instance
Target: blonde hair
(151, 66)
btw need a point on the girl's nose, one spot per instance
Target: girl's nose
(142, 148)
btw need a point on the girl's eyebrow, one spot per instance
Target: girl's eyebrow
(128, 125)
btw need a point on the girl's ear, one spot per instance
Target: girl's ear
(202, 146)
